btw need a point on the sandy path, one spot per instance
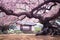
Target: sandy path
(27, 37)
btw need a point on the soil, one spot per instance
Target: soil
(27, 37)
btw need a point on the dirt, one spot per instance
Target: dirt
(27, 37)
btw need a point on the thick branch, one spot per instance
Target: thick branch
(39, 6)
(10, 12)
